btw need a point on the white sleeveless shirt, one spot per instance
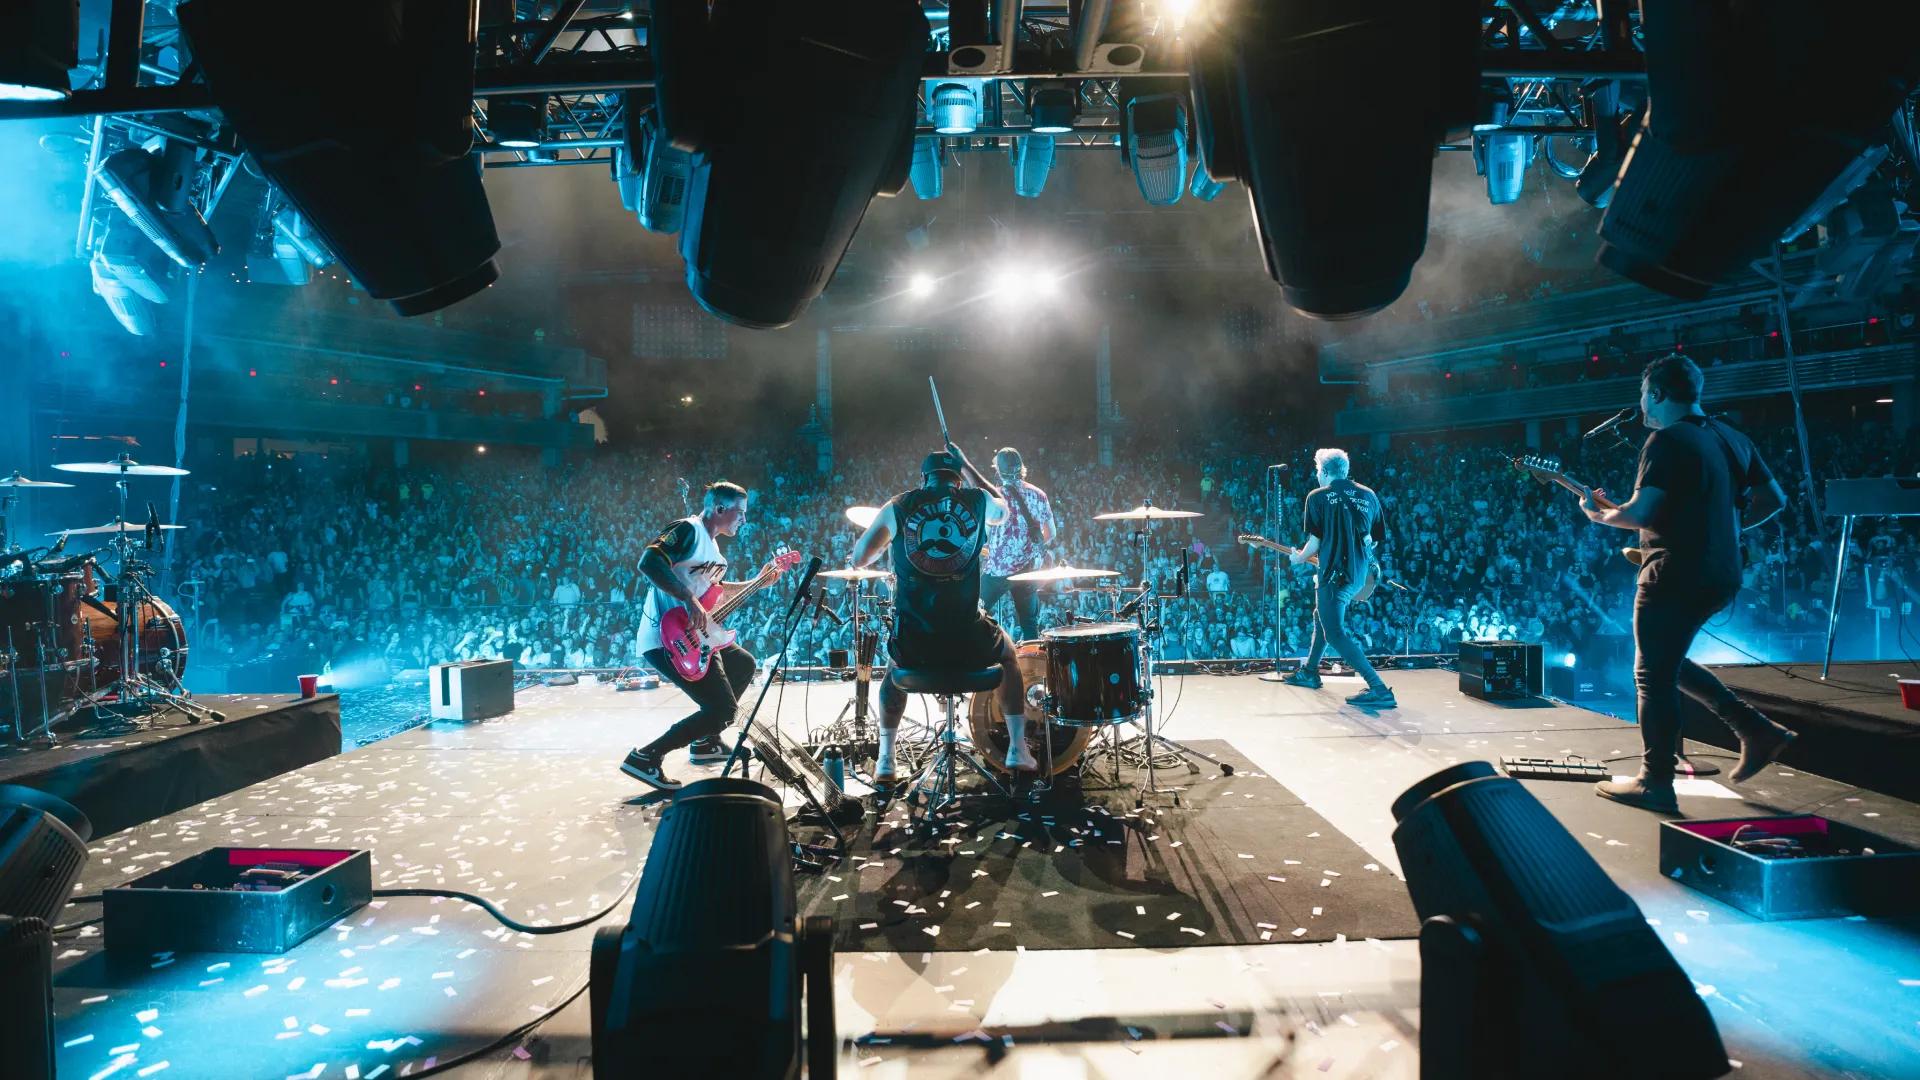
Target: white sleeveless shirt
(700, 570)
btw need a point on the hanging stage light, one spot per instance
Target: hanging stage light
(775, 195)
(291, 231)
(663, 195)
(1155, 145)
(1053, 106)
(1340, 204)
(518, 121)
(1032, 161)
(1503, 157)
(1753, 111)
(954, 109)
(377, 155)
(926, 173)
(39, 43)
(152, 187)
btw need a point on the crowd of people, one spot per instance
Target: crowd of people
(371, 572)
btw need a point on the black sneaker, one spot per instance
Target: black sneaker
(709, 751)
(1374, 699)
(1637, 792)
(1304, 677)
(646, 769)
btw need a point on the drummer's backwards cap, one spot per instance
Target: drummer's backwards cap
(940, 462)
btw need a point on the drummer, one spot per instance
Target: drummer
(934, 534)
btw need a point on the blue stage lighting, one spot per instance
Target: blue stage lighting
(1053, 107)
(1032, 161)
(1570, 660)
(954, 109)
(926, 172)
(1157, 147)
(517, 120)
(1204, 187)
(39, 42)
(1503, 157)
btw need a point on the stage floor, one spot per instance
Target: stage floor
(531, 811)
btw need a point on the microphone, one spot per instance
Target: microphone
(820, 608)
(806, 578)
(59, 545)
(153, 527)
(1625, 415)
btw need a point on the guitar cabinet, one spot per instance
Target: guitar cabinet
(1502, 670)
(474, 690)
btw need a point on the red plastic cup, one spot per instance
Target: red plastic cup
(1910, 693)
(309, 685)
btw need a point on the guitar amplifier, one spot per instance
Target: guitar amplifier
(473, 690)
(1501, 670)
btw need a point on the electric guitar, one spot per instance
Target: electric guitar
(692, 651)
(1366, 587)
(1547, 471)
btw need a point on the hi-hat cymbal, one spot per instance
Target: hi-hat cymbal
(112, 527)
(120, 466)
(18, 481)
(1146, 512)
(1063, 573)
(862, 516)
(854, 573)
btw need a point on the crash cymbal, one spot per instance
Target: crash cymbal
(862, 516)
(1147, 512)
(120, 466)
(18, 481)
(1063, 573)
(854, 573)
(113, 527)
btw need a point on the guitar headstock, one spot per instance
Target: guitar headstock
(1251, 538)
(1544, 469)
(782, 561)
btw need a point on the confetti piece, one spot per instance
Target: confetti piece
(1051, 892)
(930, 931)
(147, 1016)
(151, 1032)
(1244, 855)
(1139, 909)
(1299, 931)
(1196, 932)
(1003, 925)
(79, 1041)
(153, 1068)
(1172, 916)
(359, 1012)
(97, 999)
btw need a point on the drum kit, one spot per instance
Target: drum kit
(73, 643)
(1090, 677)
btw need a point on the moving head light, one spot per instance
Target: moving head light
(151, 187)
(375, 153)
(1338, 182)
(1753, 110)
(776, 192)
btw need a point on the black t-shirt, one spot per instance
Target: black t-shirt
(1343, 515)
(1707, 470)
(936, 544)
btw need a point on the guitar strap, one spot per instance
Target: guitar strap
(1743, 493)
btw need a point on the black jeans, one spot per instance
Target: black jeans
(1665, 620)
(717, 693)
(1330, 603)
(1026, 602)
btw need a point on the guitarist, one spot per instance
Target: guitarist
(1696, 478)
(1017, 546)
(681, 564)
(1345, 523)
(935, 534)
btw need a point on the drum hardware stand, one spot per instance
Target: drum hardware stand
(937, 781)
(133, 692)
(1149, 739)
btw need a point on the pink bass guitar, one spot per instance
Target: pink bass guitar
(692, 650)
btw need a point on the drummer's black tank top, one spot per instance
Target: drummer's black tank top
(936, 554)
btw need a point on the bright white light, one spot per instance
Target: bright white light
(921, 285)
(1046, 282)
(1178, 10)
(479, 449)
(1883, 401)
(1569, 660)
(23, 92)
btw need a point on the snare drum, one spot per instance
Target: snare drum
(989, 725)
(1093, 674)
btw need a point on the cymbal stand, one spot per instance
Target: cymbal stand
(133, 691)
(1147, 612)
(866, 648)
(11, 657)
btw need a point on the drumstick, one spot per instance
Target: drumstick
(938, 411)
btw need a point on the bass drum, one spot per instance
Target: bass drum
(163, 640)
(989, 726)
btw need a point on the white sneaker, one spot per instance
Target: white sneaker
(884, 772)
(1021, 759)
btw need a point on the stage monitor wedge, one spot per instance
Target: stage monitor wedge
(1533, 962)
(1340, 205)
(376, 154)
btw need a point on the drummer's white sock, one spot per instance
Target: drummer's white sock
(885, 763)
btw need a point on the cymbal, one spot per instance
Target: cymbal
(112, 527)
(862, 516)
(1063, 573)
(1146, 512)
(854, 573)
(120, 466)
(18, 481)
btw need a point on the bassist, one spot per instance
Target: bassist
(1344, 523)
(682, 564)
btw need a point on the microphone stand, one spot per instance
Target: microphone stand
(770, 756)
